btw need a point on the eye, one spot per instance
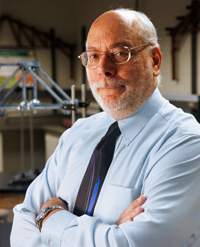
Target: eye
(121, 53)
(92, 55)
(118, 52)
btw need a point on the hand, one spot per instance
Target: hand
(133, 210)
(54, 201)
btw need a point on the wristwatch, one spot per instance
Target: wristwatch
(43, 214)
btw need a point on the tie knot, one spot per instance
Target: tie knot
(113, 130)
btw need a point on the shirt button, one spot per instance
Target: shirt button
(51, 243)
(128, 141)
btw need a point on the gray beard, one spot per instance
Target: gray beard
(105, 104)
(130, 101)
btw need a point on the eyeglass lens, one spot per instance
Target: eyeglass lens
(116, 54)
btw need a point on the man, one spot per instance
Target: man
(156, 153)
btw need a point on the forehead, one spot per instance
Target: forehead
(110, 29)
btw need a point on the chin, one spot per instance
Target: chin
(117, 110)
(111, 103)
(118, 107)
(118, 114)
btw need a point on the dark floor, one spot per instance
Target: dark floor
(5, 229)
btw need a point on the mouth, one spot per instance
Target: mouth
(112, 87)
(108, 91)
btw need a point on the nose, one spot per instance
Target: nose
(106, 67)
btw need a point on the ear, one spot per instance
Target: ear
(156, 59)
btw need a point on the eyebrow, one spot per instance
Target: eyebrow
(124, 43)
(91, 48)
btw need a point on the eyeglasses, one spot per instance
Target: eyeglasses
(118, 55)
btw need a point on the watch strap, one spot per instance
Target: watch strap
(43, 214)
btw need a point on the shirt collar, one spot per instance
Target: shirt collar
(131, 126)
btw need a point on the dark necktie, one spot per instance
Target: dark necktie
(96, 172)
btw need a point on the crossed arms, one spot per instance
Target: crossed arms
(128, 215)
(171, 210)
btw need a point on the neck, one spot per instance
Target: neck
(130, 109)
(120, 114)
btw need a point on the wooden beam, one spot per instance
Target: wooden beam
(186, 25)
(15, 34)
(36, 38)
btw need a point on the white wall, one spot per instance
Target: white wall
(51, 142)
(182, 85)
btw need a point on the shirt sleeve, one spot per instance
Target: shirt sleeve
(171, 212)
(43, 188)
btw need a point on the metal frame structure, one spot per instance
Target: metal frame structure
(67, 105)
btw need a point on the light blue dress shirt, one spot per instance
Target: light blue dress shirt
(158, 153)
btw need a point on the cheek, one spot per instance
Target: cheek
(92, 75)
(129, 70)
(138, 69)
(130, 75)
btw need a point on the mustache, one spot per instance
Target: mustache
(109, 83)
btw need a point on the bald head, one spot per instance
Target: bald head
(117, 16)
(113, 22)
(132, 22)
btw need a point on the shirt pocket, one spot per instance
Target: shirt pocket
(113, 201)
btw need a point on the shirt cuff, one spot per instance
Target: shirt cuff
(53, 228)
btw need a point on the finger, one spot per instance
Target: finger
(129, 213)
(130, 217)
(138, 202)
(137, 211)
